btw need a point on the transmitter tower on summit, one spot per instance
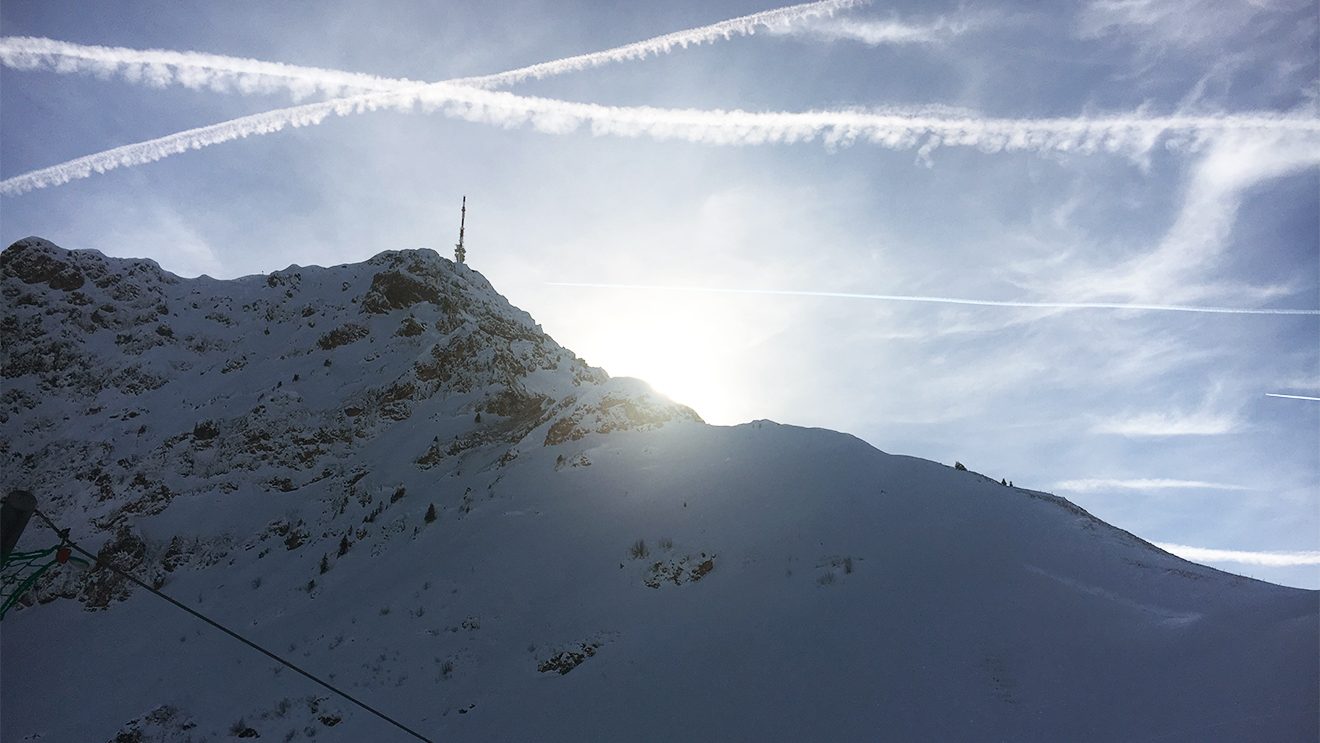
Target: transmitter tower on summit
(459, 252)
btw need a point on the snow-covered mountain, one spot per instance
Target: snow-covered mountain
(387, 473)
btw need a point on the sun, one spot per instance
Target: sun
(684, 347)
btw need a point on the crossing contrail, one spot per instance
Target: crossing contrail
(159, 67)
(921, 129)
(949, 300)
(889, 128)
(1292, 397)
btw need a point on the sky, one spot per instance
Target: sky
(736, 214)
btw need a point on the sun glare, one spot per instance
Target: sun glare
(684, 350)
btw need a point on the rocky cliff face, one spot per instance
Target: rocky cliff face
(127, 388)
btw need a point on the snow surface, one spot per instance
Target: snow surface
(754, 582)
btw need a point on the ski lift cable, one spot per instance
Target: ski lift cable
(288, 664)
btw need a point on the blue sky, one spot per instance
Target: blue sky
(1155, 421)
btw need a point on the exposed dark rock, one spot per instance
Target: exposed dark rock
(125, 551)
(342, 335)
(410, 328)
(568, 659)
(684, 570)
(32, 261)
(205, 430)
(394, 290)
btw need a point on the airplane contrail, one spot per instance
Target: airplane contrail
(920, 128)
(159, 67)
(774, 20)
(889, 128)
(947, 300)
(1292, 397)
(876, 32)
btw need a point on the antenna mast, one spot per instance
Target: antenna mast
(459, 252)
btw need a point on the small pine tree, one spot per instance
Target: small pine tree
(325, 564)
(1003, 481)
(343, 545)
(430, 513)
(477, 419)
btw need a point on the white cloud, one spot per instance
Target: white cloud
(1175, 270)
(1306, 381)
(1145, 425)
(1261, 49)
(1094, 484)
(1178, 23)
(154, 231)
(1271, 559)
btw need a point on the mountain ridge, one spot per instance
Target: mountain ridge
(271, 449)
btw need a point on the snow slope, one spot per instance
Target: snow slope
(602, 564)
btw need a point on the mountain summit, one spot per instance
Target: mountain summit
(391, 476)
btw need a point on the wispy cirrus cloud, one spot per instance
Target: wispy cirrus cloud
(1092, 485)
(1229, 43)
(1180, 267)
(1155, 425)
(1266, 558)
(1177, 23)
